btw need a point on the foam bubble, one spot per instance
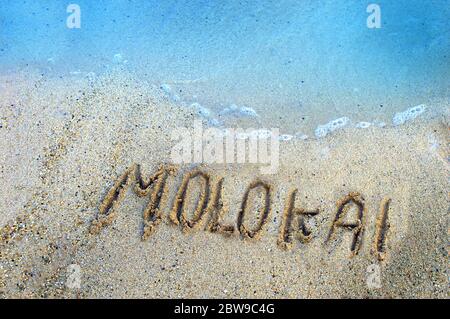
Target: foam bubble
(408, 115)
(176, 98)
(248, 111)
(363, 125)
(214, 122)
(324, 130)
(245, 111)
(201, 110)
(233, 107)
(118, 58)
(166, 88)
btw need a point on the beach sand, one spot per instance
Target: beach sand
(66, 140)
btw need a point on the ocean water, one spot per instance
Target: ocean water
(292, 64)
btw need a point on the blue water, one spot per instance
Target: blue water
(306, 58)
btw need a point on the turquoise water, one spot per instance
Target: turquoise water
(290, 61)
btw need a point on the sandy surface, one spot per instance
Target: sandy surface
(66, 141)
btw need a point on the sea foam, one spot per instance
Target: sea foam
(408, 115)
(325, 129)
(244, 111)
(201, 110)
(363, 125)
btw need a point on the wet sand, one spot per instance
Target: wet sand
(366, 200)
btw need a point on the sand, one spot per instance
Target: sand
(67, 140)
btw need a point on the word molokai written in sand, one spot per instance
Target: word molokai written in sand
(210, 210)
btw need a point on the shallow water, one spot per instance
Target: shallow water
(291, 64)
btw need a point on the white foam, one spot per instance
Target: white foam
(166, 88)
(408, 115)
(324, 130)
(176, 98)
(248, 111)
(233, 109)
(230, 109)
(118, 58)
(214, 122)
(201, 110)
(363, 125)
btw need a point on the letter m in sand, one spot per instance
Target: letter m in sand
(154, 187)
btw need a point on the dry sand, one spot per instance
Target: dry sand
(65, 142)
